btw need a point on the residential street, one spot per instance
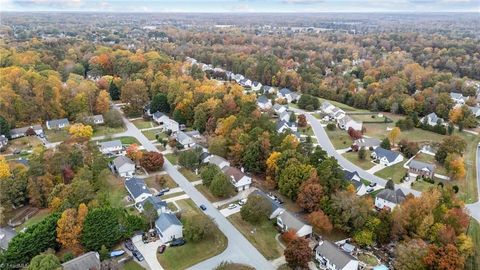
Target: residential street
(327, 145)
(239, 249)
(475, 207)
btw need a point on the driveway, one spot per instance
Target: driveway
(376, 168)
(228, 212)
(239, 249)
(475, 207)
(149, 251)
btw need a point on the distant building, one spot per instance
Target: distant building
(256, 86)
(87, 261)
(268, 89)
(331, 257)
(114, 147)
(458, 98)
(389, 199)
(279, 109)
(326, 107)
(386, 157)
(3, 141)
(432, 120)
(264, 103)
(57, 123)
(160, 118)
(218, 161)
(475, 110)
(185, 140)
(95, 119)
(346, 122)
(367, 143)
(285, 116)
(239, 179)
(282, 126)
(21, 132)
(421, 168)
(168, 227)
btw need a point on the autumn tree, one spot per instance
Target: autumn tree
(455, 166)
(298, 253)
(152, 161)
(450, 145)
(81, 131)
(272, 169)
(394, 134)
(292, 177)
(302, 120)
(4, 168)
(135, 94)
(354, 134)
(288, 236)
(444, 257)
(310, 194)
(410, 255)
(320, 221)
(256, 209)
(134, 153)
(102, 104)
(67, 233)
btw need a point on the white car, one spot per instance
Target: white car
(232, 206)
(242, 201)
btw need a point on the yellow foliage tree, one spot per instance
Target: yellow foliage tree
(134, 153)
(272, 168)
(455, 115)
(4, 168)
(55, 203)
(394, 134)
(67, 231)
(455, 166)
(225, 125)
(102, 104)
(81, 131)
(289, 142)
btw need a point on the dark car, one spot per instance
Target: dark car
(161, 249)
(372, 184)
(165, 190)
(138, 255)
(177, 242)
(129, 245)
(203, 207)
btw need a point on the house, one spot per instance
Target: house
(326, 107)
(95, 119)
(111, 147)
(218, 161)
(6, 235)
(245, 83)
(87, 261)
(432, 120)
(286, 94)
(264, 103)
(337, 113)
(171, 125)
(21, 132)
(475, 110)
(284, 116)
(160, 118)
(57, 123)
(194, 134)
(185, 140)
(368, 143)
(137, 189)
(268, 89)
(168, 227)
(386, 157)
(238, 178)
(124, 166)
(346, 122)
(295, 96)
(331, 257)
(204, 157)
(279, 109)
(284, 125)
(157, 203)
(388, 198)
(238, 77)
(3, 141)
(458, 98)
(275, 209)
(424, 169)
(354, 179)
(286, 221)
(256, 86)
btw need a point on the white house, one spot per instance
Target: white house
(475, 110)
(89, 260)
(256, 86)
(264, 103)
(95, 119)
(137, 189)
(432, 120)
(21, 132)
(367, 143)
(354, 179)
(389, 199)
(114, 147)
(268, 89)
(3, 141)
(168, 227)
(326, 107)
(279, 109)
(347, 122)
(124, 166)
(156, 202)
(337, 113)
(386, 157)
(331, 257)
(245, 83)
(286, 94)
(275, 209)
(287, 221)
(57, 123)
(239, 179)
(218, 161)
(238, 77)
(171, 125)
(458, 98)
(185, 140)
(282, 126)
(284, 116)
(160, 118)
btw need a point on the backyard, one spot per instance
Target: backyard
(339, 138)
(364, 164)
(24, 143)
(191, 176)
(192, 252)
(142, 123)
(124, 140)
(39, 216)
(56, 135)
(369, 117)
(152, 182)
(262, 236)
(396, 172)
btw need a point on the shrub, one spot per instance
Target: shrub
(331, 126)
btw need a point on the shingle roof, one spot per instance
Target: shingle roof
(111, 144)
(121, 160)
(285, 91)
(22, 130)
(389, 155)
(89, 260)
(262, 99)
(348, 175)
(394, 196)
(184, 138)
(334, 254)
(58, 122)
(156, 202)
(216, 160)
(157, 114)
(419, 165)
(367, 142)
(233, 173)
(291, 221)
(136, 187)
(165, 220)
(273, 203)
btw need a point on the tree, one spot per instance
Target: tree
(135, 94)
(354, 134)
(298, 253)
(455, 166)
(152, 161)
(320, 221)
(45, 261)
(221, 186)
(67, 231)
(444, 257)
(101, 227)
(190, 159)
(160, 104)
(134, 153)
(450, 145)
(103, 102)
(113, 119)
(114, 91)
(104, 253)
(289, 236)
(150, 213)
(292, 177)
(253, 157)
(208, 172)
(198, 227)
(390, 185)
(81, 131)
(308, 102)
(409, 255)
(302, 120)
(394, 134)
(309, 195)
(4, 127)
(385, 144)
(362, 153)
(350, 212)
(256, 209)
(4, 168)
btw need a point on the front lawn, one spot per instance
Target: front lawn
(474, 232)
(152, 182)
(306, 131)
(339, 138)
(364, 164)
(24, 143)
(191, 176)
(150, 134)
(56, 135)
(262, 236)
(132, 265)
(142, 123)
(105, 131)
(206, 192)
(172, 195)
(192, 252)
(123, 140)
(173, 158)
(396, 172)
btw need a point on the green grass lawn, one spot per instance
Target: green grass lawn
(364, 164)
(191, 176)
(105, 131)
(192, 252)
(172, 158)
(306, 131)
(342, 106)
(114, 187)
(24, 143)
(474, 232)
(339, 138)
(152, 182)
(368, 259)
(172, 206)
(263, 236)
(468, 186)
(373, 117)
(172, 195)
(56, 135)
(150, 134)
(206, 192)
(422, 186)
(123, 140)
(396, 172)
(142, 123)
(39, 216)
(132, 265)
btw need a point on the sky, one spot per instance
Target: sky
(262, 6)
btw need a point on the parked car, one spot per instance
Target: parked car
(165, 190)
(161, 249)
(232, 206)
(203, 207)
(242, 202)
(177, 242)
(138, 255)
(17, 151)
(129, 245)
(370, 190)
(372, 185)
(160, 194)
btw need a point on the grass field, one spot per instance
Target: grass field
(124, 140)
(206, 192)
(373, 117)
(473, 262)
(39, 216)
(115, 189)
(172, 195)
(142, 123)
(468, 187)
(339, 138)
(172, 158)
(105, 131)
(150, 134)
(24, 143)
(306, 131)
(364, 164)
(56, 135)
(192, 252)
(262, 236)
(191, 176)
(172, 206)
(396, 172)
(132, 265)
(152, 182)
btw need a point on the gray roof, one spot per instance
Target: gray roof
(291, 221)
(87, 261)
(95, 118)
(204, 155)
(432, 117)
(136, 187)
(367, 142)
(266, 88)
(273, 203)
(389, 155)
(475, 109)
(255, 83)
(156, 202)
(216, 160)
(457, 96)
(285, 91)
(22, 130)
(121, 160)
(325, 105)
(165, 220)
(419, 165)
(334, 254)
(158, 114)
(184, 138)
(348, 175)
(6, 235)
(111, 144)
(58, 122)
(3, 138)
(394, 196)
(263, 99)
(278, 106)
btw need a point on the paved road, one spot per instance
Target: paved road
(327, 145)
(475, 207)
(239, 249)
